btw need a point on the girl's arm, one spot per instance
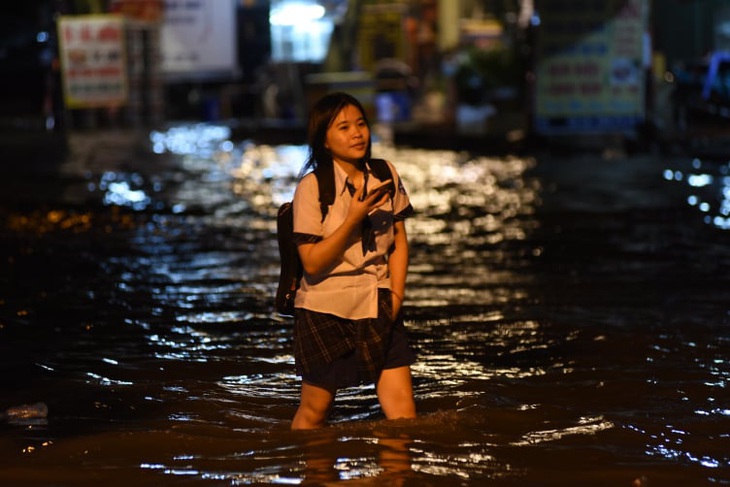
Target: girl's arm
(398, 265)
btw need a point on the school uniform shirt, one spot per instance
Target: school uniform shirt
(349, 288)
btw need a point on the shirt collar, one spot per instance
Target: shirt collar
(341, 177)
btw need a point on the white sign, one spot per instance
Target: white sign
(199, 37)
(92, 60)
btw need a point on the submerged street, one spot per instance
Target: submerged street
(569, 311)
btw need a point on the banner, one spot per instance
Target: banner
(591, 66)
(93, 62)
(199, 38)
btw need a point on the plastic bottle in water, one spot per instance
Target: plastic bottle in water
(25, 411)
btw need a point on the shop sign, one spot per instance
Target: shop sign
(140, 10)
(93, 61)
(591, 66)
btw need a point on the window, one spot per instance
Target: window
(300, 31)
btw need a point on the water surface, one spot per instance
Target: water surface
(569, 314)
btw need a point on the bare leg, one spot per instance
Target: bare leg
(395, 393)
(314, 407)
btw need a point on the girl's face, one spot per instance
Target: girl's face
(348, 136)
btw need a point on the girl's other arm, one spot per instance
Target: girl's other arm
(398, 265)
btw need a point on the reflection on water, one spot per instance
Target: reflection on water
(710, 183)
(568, 313)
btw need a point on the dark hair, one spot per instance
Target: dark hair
(321, 116)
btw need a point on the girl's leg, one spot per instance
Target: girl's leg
(395, 393)
(314, 407)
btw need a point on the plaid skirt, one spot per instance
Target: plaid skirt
(334, 352)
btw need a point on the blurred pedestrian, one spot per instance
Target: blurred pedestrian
(348, 327)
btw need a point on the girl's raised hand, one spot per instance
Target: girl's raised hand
(360, 207)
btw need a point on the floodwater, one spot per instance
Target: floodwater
(569, 312)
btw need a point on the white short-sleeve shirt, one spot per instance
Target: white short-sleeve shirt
(349, 287)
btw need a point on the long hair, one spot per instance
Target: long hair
(321, 116)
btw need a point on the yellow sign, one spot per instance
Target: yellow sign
(93, 61)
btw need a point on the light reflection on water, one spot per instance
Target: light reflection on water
(709, 182)
(562, 337)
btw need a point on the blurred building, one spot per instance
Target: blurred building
(463, 64)
(29, 83)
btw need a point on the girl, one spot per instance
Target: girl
(348, 327)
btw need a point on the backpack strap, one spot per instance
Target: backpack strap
(326, 185)
(326, 182)
(381, 169)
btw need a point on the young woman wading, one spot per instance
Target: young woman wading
(348, 328)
